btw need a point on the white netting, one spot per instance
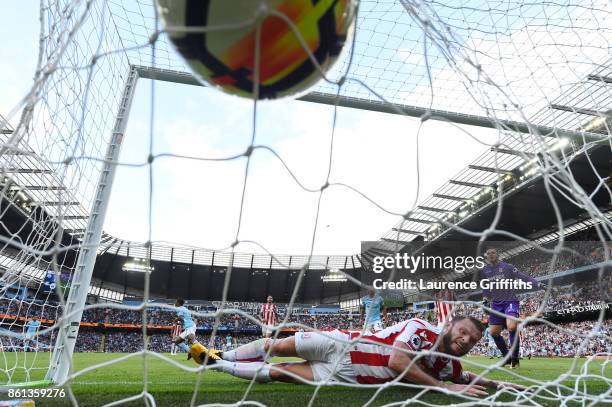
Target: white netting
(545, 65)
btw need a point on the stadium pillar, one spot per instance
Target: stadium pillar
(61, 360)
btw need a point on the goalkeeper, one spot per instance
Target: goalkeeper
(504, 301)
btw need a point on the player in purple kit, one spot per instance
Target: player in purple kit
(504, 301)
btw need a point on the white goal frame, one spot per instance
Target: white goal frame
(61, 360)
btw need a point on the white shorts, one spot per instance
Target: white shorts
(188, 331)
(374, 326)
(328, 355)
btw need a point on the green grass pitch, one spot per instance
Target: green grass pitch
(174, 387)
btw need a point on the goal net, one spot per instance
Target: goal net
(538, 75)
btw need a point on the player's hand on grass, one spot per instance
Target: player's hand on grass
(468, 390)
(506, 385)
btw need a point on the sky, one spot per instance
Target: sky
(197, 203)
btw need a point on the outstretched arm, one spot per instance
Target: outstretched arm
(400, 361)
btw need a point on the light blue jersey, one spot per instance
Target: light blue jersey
(488, 337)
(187, 321)
(373, 306)
(32, 327)
(492, 350)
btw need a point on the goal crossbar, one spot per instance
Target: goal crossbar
(168, 75)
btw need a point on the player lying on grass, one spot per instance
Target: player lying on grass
(328, 357)
(189, 328)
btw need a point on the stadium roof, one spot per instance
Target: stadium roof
(517, 153)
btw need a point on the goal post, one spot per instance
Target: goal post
(68, 330)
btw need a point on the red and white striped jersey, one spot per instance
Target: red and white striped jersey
(176, 330)
(444, 310)
(370, 361)
(268, 313)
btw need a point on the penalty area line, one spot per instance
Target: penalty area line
(93, 383)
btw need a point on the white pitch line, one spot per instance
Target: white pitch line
(87, 383)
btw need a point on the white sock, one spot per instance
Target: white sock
(251, 352)
(259, 370)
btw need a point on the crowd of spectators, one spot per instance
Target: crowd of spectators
(567, 340)
(580, 294)
(239, 322)
(579, 253)
(550, 341)
(87, 341)
(587, 293)
(542, 340)
(29, 307)
(547, 341)
(577, 294)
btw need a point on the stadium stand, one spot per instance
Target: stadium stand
(119, 330)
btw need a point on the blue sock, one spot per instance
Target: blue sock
(501, 344)
(183, 346)
(514, 337)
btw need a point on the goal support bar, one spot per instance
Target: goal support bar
(61, 360)
(186, 78)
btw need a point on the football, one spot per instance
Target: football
(218, 40)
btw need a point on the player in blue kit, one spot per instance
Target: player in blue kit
(31, 332)
(491, 347)
(504, 301)
(189, 328)
(374, 306)
(196, 350)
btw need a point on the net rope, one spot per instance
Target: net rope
(498, 59)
